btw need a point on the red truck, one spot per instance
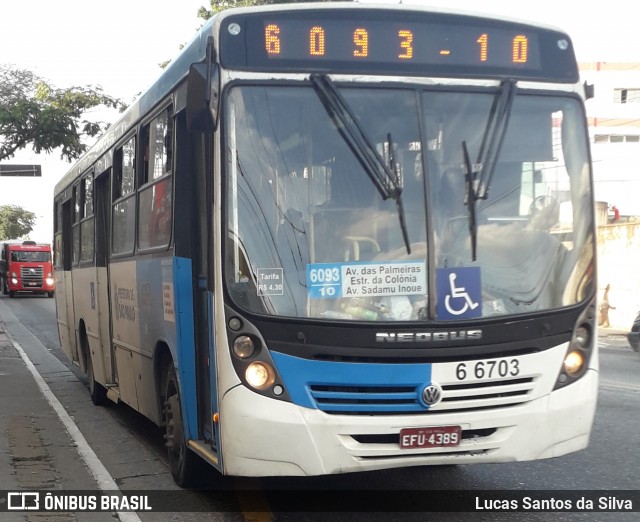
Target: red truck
(26, 267)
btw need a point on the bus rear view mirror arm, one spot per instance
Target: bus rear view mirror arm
(202, 94)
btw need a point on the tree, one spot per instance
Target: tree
(15, 222)
(217, 5)
(32, 112)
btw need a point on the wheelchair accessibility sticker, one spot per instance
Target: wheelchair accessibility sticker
(459, 293)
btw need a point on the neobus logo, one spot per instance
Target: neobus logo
(426, 337)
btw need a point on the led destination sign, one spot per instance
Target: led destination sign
(393, 42)
(411, 43)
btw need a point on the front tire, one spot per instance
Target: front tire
(183, 463)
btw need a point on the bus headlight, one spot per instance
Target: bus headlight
(260, 375)
(14, 280)
(49, 281)
(244, 347)
(576, 359)
(573, 362)
(251, 359)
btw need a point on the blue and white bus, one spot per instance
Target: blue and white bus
(341, 237)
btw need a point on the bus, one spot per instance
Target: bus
(341, 237)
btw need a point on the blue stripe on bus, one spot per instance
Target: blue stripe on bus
(213, 386)
(183, 306)
(354, 387)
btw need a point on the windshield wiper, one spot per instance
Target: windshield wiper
(385, 177)
(395, 169)
(478, 176)
(470, 198)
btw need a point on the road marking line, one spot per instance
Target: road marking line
(252, 499)
(96, 467)
(619, 385)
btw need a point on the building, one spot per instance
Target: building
(614, 128)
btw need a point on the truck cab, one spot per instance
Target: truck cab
(26, 267)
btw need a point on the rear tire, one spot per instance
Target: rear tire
(183, 463)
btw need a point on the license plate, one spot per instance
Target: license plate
(32, 284)
(433, 437)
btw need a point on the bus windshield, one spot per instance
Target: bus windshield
(311, 235)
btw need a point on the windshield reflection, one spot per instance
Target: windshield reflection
(310, 236)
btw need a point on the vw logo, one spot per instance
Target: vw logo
(432, 394)
(32, 271)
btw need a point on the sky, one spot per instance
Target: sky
(118, 44)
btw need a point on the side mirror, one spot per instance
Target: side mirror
(203, 86)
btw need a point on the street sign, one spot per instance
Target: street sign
(21, 170)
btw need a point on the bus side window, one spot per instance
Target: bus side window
(75, 231)
(87, 238)
(155, 220)
(57, 229)
(124, 201)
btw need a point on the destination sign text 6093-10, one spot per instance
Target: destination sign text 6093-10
(414, 43)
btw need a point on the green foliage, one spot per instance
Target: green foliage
(15, 222)
(32, 112)
(217, 6)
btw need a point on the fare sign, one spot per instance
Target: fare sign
(431, 437)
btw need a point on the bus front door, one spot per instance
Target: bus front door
(64, 287)
(102, 297)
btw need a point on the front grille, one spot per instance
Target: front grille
(32, 277)
(486, 394)
(395, 400)
(366, 399)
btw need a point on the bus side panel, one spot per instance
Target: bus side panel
(143, 319)
(125, 327)
(86, 313)
(157, 326)
(64, 307)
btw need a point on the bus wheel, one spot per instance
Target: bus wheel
(182, 461)
(11, 293)
(49, 294)
(96, 390)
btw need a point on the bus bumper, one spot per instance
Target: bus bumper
(263, 437)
